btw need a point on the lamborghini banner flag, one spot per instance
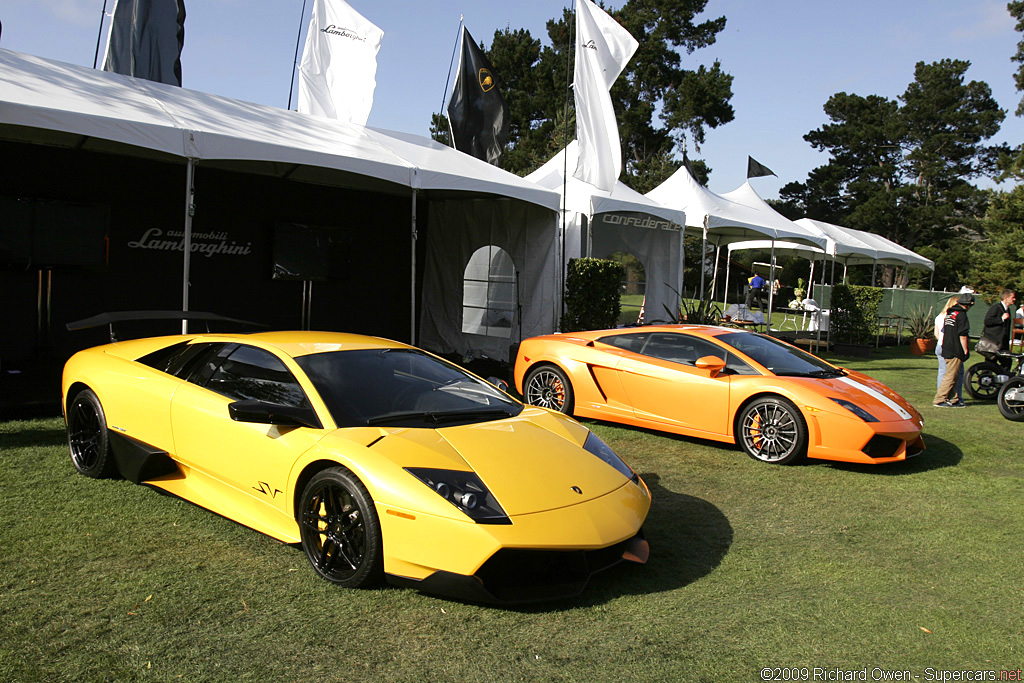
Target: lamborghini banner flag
(603, 48)
(145, 40)
(338, 73)
(477, 113)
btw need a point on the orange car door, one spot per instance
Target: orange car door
(665, 387)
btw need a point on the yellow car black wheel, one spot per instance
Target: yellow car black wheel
(340, 530)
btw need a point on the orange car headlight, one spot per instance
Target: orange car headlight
(856, 410)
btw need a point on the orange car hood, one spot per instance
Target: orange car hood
(528, 467)
(859, 389)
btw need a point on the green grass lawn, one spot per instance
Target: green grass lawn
(906, 567)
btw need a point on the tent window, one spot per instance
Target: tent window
(489, 293)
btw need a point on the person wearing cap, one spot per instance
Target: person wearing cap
(955, 331)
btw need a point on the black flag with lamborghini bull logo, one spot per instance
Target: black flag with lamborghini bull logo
(477, 113)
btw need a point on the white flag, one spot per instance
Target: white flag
(339, 64)
(603, 48)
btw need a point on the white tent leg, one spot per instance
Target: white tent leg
(682, 269)
(771, 292)
(190, 209)
(703, 261)
(725, 291)
(714, 273)
(412, 275)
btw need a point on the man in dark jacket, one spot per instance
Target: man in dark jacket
(998, 321)
(955, 331)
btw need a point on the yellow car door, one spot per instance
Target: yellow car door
(241, 466)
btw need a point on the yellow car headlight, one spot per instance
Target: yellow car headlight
(464, 490)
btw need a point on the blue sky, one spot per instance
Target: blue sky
(787, 57)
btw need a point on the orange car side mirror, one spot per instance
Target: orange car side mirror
(713, 364)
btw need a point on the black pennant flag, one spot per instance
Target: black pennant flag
(477, 113)
(756, 169)
(146, 37)
(693, 174)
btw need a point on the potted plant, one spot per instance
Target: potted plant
(921, 325)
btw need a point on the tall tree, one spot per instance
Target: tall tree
(903, 168)
(1016, 9)
(1000, 261)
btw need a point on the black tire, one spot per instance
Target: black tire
(981, 380)
(88, 439)
(1012, 408)
(772, 430)
(547, 386)
(340, 529)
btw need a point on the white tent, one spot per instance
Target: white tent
(53, 103)
(852, 247)
(620, 220)
(725, 218)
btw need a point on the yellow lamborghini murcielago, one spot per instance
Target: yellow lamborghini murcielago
(382, 460)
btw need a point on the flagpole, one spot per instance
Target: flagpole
(448, 78)
(295, 61)
(565, 151)
(99, 35)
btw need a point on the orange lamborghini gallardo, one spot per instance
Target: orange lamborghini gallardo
(776, 401)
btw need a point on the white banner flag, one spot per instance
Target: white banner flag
(339, 64)
(603, 48)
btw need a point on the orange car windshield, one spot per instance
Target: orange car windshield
(778, 357)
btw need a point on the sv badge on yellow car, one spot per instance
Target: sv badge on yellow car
(265, 489)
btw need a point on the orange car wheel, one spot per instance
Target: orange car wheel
(548, 387)
(772, 430)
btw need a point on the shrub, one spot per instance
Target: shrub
(591, 294)
(854, 313)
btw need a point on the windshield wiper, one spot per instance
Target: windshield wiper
(438, 417)
(828, 374)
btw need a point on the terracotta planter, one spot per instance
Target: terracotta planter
(919, 347)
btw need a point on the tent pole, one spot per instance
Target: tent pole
(903, 306)
(703, 254)
(682, 269)
(190, 209)
(810, 278)
(771, 292)
(714, 272)
(412, 273)
(725, 291)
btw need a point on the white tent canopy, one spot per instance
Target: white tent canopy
(620, 220)
(724, 217)
(53, 103)
(100, 107)
(858, 247)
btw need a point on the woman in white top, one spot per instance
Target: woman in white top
(940, 320)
